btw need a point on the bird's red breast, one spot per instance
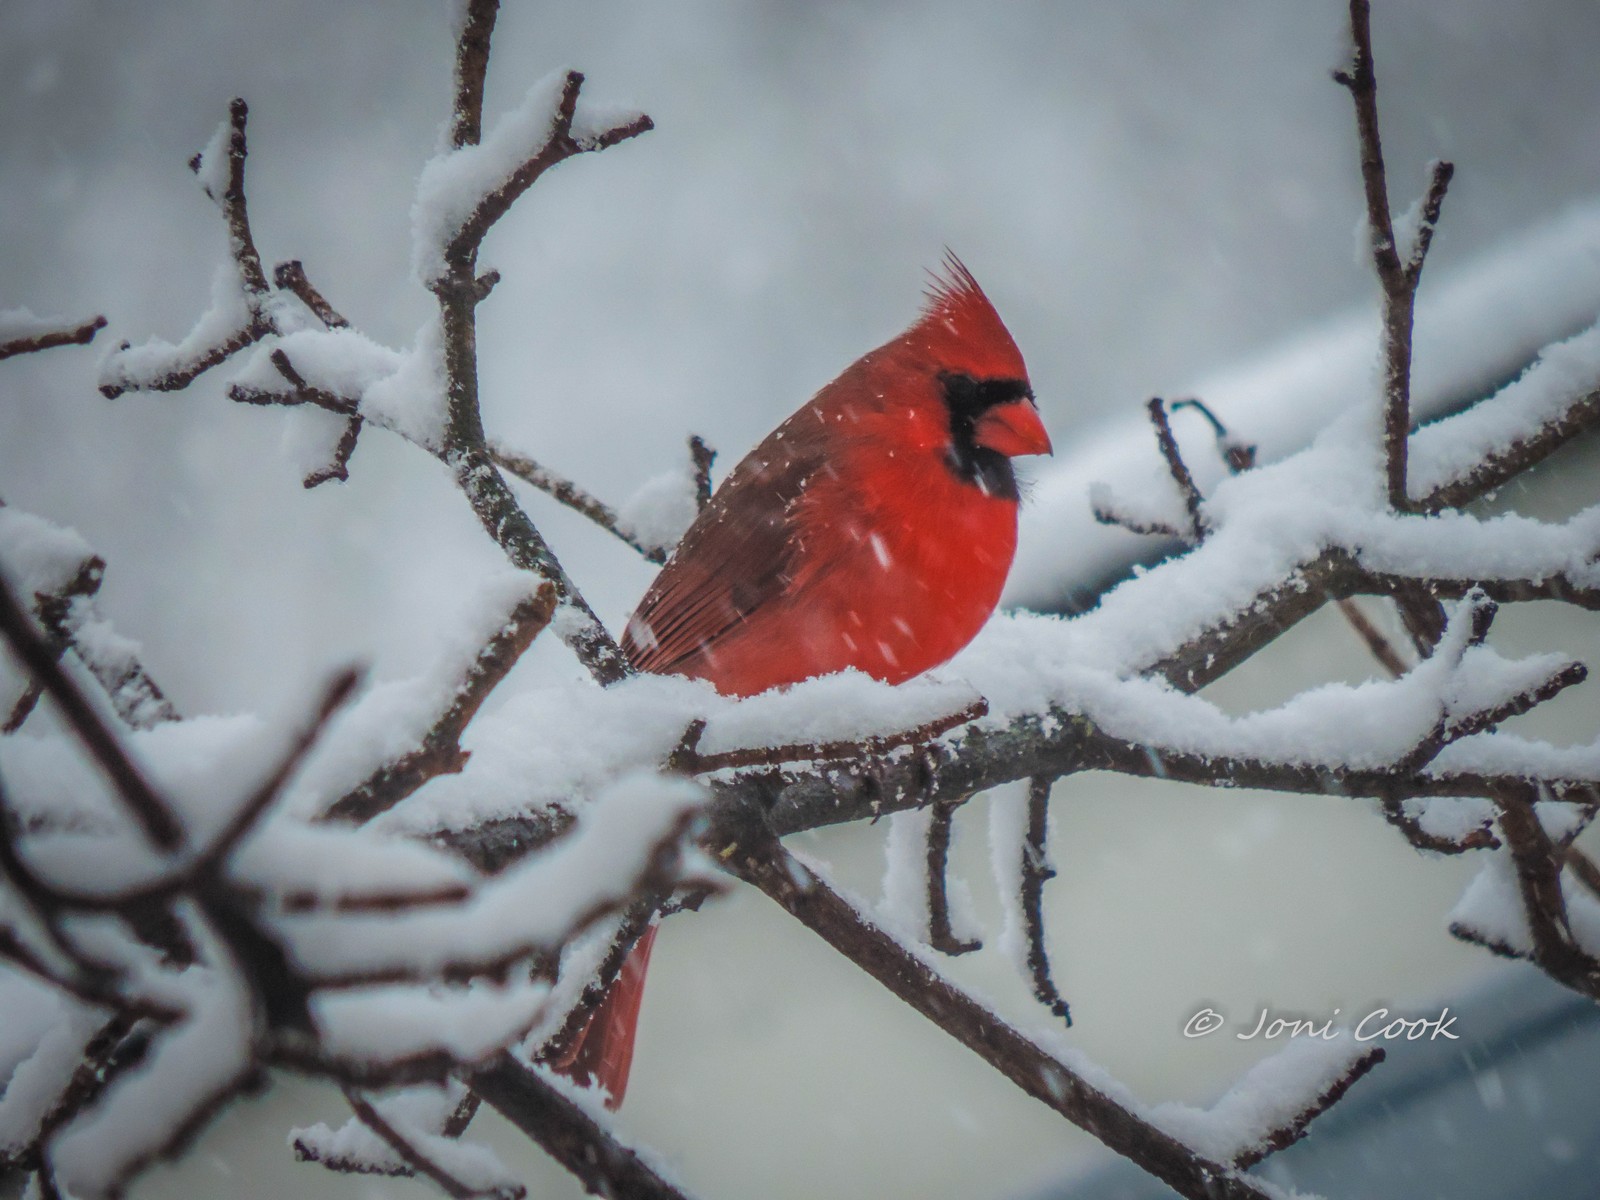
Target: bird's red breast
(873, 529)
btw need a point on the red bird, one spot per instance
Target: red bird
(873, 529)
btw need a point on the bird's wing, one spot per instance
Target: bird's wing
(736, 557)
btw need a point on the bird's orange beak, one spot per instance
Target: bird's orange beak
(1012, 429)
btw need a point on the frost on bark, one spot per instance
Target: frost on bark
(315, 918)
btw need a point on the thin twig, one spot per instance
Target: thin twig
(561, 489)
(1544, 904)
(290, 276)
(702, 456)
(338, 468)
(471, 66)
(76, 335)
(1036, 871)
(693, 762)
(1398, 279)
(235, 209)
(940, 934)
(560, 146)
(631, 925)
(1382, 649)
(1175, 464)
(1107, 513)
(1584, 869)
(247, 262)
(1479, 837)
(419, 1162)
(1294, 1129)
(1240, 456)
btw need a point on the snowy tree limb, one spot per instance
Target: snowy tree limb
(14, 342)
(440, 751)
(456, 287)
(420, 1162)
(235, 321)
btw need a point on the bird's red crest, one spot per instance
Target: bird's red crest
(961, 328)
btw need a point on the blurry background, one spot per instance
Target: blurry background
(1153, 194)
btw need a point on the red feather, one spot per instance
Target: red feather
(850, 537)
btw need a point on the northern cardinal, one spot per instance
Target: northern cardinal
(873, 529)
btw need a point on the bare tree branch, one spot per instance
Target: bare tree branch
(290, 276)
(568, 1134)
(1382, 649)
(1398, 279)
(1036, 871)
(940, 935)
(702, 457)
(1175, 465)
(1239, 455)
(561, 489)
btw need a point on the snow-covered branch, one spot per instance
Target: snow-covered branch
(23, 333)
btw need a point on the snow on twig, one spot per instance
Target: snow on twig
(23, 333)
(467, 188)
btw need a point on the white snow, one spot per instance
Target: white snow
(183, 1074)
(454, 182)
(905, 876)
(391, 717)
(38, 557)
(36, 1078)
(1008, 829)
(213, 169)
(1547, 279)
(1491, 906)
(533, 905)
(1268, 1096)
(1448, 450)
(658, 513)
(390, 1024)
(402, 391)
(343, 362)
(19, 323)
(140, 366)
(417, 1114)
(412, 399)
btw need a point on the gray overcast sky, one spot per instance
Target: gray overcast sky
(1150, 191)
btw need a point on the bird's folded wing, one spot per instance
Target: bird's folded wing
(736, 559)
